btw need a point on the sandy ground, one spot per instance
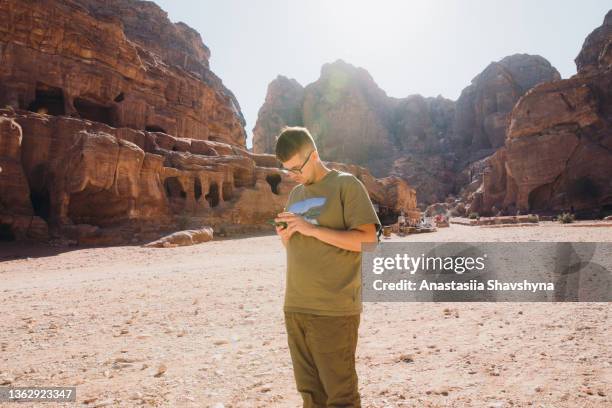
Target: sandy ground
(202, 326)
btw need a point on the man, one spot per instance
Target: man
(328, 216)
(401, 224)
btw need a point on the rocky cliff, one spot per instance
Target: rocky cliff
(282, 107)
(557, 154)
(119, 62)
(113, 129)
(429, 142)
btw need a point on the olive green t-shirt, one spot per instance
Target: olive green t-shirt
(321, 278)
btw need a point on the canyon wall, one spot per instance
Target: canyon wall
(429, 142)
(557, 154)
(113, 129)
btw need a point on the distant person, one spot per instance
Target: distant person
(401, 223)
(328, 216)
(401, 220)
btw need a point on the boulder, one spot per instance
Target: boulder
(183, 238)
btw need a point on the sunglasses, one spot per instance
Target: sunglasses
(298, 170)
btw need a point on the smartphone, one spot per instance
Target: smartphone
(277, 224)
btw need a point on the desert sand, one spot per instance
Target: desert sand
(202, 326)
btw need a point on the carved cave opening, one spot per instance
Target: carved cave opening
(95, 112)
(155, 128)
(213, 195)
(39, 193)
(175, 193)
(49, 100)
(228, 192)
(584, 189)
(274, 180)
(539, 197)
(174, 189)
(197, 189)
(6, 233)
(41, 203)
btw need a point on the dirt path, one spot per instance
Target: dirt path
(108, 320)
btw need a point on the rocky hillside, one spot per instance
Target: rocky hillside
(119, 62)
(114, 129)
(428, 142)
(557, 154)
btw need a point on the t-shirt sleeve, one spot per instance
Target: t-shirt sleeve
(357, 206)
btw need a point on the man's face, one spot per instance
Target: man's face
(303, 160)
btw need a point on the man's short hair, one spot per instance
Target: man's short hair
(293, 140)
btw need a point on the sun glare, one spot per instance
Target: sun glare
(373, 23)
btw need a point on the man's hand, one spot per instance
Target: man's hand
(282, 232)
(350, 240)
(295, 223)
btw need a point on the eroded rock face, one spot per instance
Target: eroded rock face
(348, 116)
(345, 111)
(558, 150)
(596, 52)
(483, 109)
(96, 184)
(132, 130)
(428, 142)
(282, 107)
(391, 195)
(17, 219)
(13, 186)
(119, 62)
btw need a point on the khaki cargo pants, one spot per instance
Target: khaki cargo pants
(322, 350)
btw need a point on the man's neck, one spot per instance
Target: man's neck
(320, 171)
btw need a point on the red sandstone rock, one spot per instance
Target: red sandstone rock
(282, 107)
(392, 193)
(84, 173)
(95, 184)
(17, 219)
(484, 106)
(596, 52)
(133, 135)
(120, 62)
(14, 193)
(99, 75)
(558, 150)
(426, 141)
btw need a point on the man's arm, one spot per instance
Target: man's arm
(350, 240)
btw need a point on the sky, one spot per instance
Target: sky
(432, 47)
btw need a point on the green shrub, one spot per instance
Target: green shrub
(473, 216)
(565, 218)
